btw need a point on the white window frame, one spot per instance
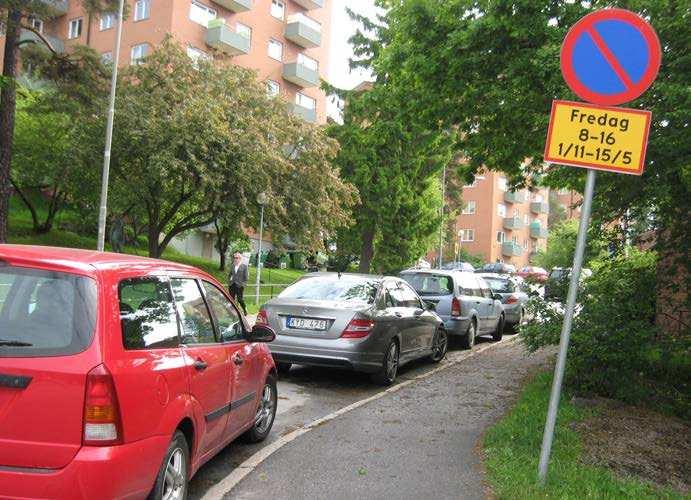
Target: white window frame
(197, 54)
(501, 210)
(74, 29)
(244, 30)
(537, 198)
(273, 88)
(142, 10)
(526, 244)
(501, 236)
(137, 60)
(466, 235)
(36, 23)
(301, 98)
(278, 4)
(525, 219)
(469, 208)
(514, 239)
(107, 57)
(107, 21)
(201, 8)
(307, 61)
(502, 184)
(275, 43)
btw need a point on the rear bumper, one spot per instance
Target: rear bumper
(512, 313)
(456, 325)
(125, 471)
(359, 355)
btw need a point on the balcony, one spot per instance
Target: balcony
(511, 249)
(307, 114)
(514, 197)
(537, 231)
(30, 36)
(56, 8)
(235, 5)
(300, 74)
(512, 223)
(303, 31)
(539, 207)
(225, 39)
(310, 4)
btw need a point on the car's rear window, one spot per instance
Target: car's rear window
(430, 284)
(499, 285)
(346, 289)
(45, 313)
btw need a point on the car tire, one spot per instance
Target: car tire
(468, 340)
(440, 345)
(174, 473)
(265, 415)
(283, 368)
(389, 368)
(499, 332)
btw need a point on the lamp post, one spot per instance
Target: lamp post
(103, 209)
(261, 200)
(441, 224)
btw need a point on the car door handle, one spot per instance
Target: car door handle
(238, 360)
(200, 365)
(398, 315)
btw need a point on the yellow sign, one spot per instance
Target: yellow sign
(598, 137)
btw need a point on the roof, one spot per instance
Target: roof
(84, 260)
(347, 275)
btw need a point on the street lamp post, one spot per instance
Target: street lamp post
(261, 199)
(103, 209)
(441, 224)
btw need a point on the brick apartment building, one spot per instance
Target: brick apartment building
(498, 224)
(285, 41)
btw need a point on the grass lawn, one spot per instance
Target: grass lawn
(512, 449)
(21, 232)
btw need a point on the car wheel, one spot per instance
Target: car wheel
(266, 413)
(171, 481)
(439, 346)
(468, 340)
(387, 373)
(283, 368)
(499, 332)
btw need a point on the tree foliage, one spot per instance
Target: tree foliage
(561, 245)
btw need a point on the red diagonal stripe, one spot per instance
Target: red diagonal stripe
(610, 57)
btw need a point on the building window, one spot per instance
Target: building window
(275, 50)
(516, 213)
(201, 14)
(526, 243)
(36, 23)
(278, 9)
(273, 88)
(75, 28)
(305, 101)
(501, 182)
(107, 21)
(515, 239)
(107, 58)
(501, 237)
(525, 219)
(142, 9)
(469, 208)
(466, 235)
(538, 198)
(139, 52)
(501, 210)
(197, 54)
(308, 62)
(244, 30)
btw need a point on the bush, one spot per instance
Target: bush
(615, 348)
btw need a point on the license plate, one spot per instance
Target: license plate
(306, 323)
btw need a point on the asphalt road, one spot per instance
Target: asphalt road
(306, 394)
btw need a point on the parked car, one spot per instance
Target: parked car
(513, 297)
(557, 284)
(120, 376)
(355, 321)
(533, 273)
(459, 266)
(497, 267)
(463, 300)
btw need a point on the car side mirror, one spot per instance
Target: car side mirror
(430, 306)
(262, 333)
(496, 296)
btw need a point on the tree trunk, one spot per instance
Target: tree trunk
(32, 210)
(367, 250)
(154, 247)
(7, 109)
(222, 266)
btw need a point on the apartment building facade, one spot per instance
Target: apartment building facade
(285, 41)
(502, 225)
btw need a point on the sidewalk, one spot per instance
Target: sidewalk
(419, 442)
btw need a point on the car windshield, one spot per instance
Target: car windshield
(430, 284)
(500, 285)
(45, 313)
(345, 288)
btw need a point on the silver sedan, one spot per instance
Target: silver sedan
(360, 322)
(513, 298)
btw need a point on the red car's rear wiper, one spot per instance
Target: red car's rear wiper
(15, 343)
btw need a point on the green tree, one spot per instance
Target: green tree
(561, 245)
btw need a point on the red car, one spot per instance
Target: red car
(533, 273)
(120, 376)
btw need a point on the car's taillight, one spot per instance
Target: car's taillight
(262, 318)
(358, 328)
(455, 307)
(512, 299)
(102, 425)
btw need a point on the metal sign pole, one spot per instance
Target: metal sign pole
(441, 224)
(103, 210)
(566, 328)
(259, 255)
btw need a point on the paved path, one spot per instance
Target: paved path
(419, 442)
